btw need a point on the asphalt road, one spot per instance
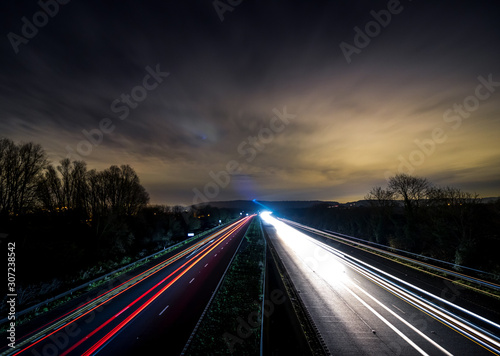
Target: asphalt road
(153, 311)
(360, 309)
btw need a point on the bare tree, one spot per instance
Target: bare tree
(460, 211)
(8, 158)
(116, 190)
(134, 196)
(74, 186)
(50, 189)
(96, 196)
(67, 191)
(79, 186)
(20, 168)
(124, 191)
(451, 196)
(382, 202)
(380, 197)
(409, 188)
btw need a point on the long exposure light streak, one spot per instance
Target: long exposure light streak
(306, 249)
(192, 262)
(42, 333)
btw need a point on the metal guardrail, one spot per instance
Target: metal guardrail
(263, 290)
(366, 244)
(412, 253)
(296, 300)
(103, 277)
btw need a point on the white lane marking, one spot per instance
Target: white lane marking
(164, 309)
(432, 309)
(435, 297)
(398, 309)
(191, 281)
(405, 322)
(215, 255)
(206, 265)
(385, 321)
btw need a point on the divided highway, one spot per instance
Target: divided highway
(153, 311)
(361, 309)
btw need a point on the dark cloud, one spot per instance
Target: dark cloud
(353, 121)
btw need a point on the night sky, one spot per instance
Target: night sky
(301, 100)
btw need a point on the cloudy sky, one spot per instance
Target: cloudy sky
(298, 99)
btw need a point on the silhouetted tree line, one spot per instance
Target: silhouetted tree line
(412, 214)
(68, 220)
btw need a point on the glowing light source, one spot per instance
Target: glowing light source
(308, 253)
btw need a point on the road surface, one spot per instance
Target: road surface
(153, 311)
(362, 310)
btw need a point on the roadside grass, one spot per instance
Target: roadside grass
(232, 325)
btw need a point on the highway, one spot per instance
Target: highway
(362, 309)
(155, 310)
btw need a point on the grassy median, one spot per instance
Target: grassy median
(233, 321)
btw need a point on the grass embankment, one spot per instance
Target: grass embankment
(233, 322)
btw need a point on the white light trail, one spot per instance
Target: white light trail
(329, 264)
